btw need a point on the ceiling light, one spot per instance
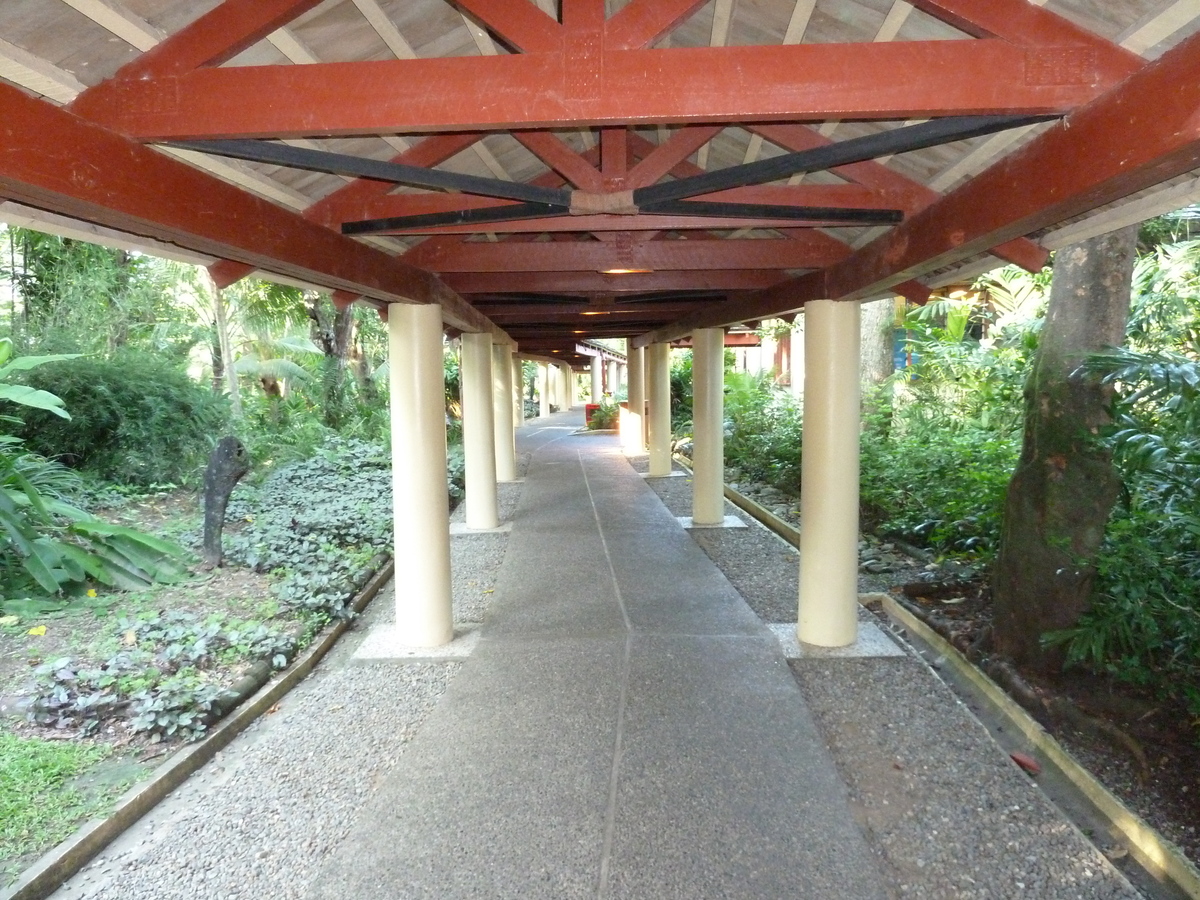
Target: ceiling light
(626, 271)
(597, 312)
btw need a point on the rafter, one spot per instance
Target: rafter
(112, 16)
(642, 22)
(666, 156)
(540, 90)
(561, 158)
(1075, 166)
(659, 256)
(596, 283)
(133, 188)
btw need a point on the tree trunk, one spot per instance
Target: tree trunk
(222, 326)
(878, 361)
(1064, 486)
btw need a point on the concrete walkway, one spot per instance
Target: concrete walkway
(627, 727)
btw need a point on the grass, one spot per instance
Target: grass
(38, 805)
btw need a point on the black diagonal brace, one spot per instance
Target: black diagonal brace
(839, 214)
(885, 143)
(343, 164)
(482, 216)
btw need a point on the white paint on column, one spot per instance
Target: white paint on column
(633, 434)
(658, 382)
(708, 433)
(543, 389)
(420, 503)
(479, 442)
(612, 377)
(828, 613)
(502, 413)
(518, 381)
(597, 379)
(566, 389)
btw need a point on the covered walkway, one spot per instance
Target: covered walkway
(627, 727)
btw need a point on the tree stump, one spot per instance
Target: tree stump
(228, 463)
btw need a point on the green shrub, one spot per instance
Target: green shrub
(135, 419)
(605, 417)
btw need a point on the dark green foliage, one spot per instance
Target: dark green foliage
(157, 683)
(135, 419)
(605, 417)
(762, 432)
(681, 392)
(317, 524)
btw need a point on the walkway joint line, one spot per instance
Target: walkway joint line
(610, 813)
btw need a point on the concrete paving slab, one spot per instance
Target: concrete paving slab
(872, 641)
(726, 789)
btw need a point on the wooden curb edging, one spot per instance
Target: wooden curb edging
(62, 862)
(781, 527)
(1156, 854)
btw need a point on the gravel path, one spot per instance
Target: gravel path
(260, 819)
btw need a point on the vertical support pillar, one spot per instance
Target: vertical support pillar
(543, 389)
(828, 613)
(565, 388)
(420, 504)
(597, 379)
(658, 382)
(502, 413)
(633, 435)
(708, 432)
(518, 381)
(479, 442)
(612, 377)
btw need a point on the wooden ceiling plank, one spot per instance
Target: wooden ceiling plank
(283, 40)
(518, 23)
(1150, 32)
(562, 159)
(798, 22)
(35, 74)
(134, 188)
(642, 22)
(112, 16)
(385, 28)
(531, 91)
(214, 38)
(1075, 166)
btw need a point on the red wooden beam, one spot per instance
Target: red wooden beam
(642, 22)
(562, 159)
(56, 161)
(1026, 24)
(542, 90)
(660, 160)
(1144, 131)
(1020, 251)
(596, 283)
(599, 223)
(518, 23)
(658, 256)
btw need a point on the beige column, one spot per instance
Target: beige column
(479, 442)
(612, 377)
(708, 432)
(633, 433)
(543, 389)
(597, 379)
(828, 614)
(658, 384)
(502, 413)
(566, 389)
(420, 505)
(518, 381)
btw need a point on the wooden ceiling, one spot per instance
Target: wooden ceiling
(580, 169)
